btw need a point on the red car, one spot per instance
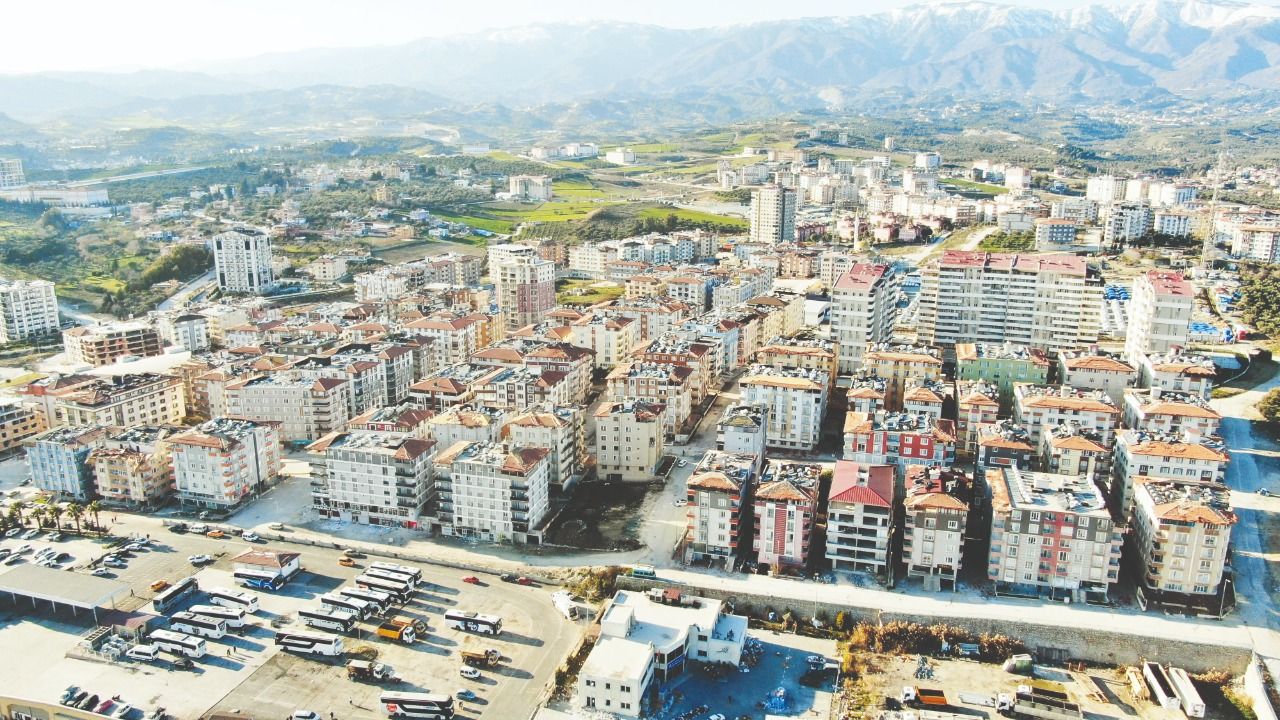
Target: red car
(522, 580)
(471, 580)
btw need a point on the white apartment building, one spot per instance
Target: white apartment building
(188, 331)
(494, 492)
(469, 423)
(532, 188)
(28, 308)
(860, 517)
(375, 478)
(1055, 233)
(223, 462)
(559, 429)
(1182, 457)
(1017, 177)
(1040, 407)
(864, 307)
(305, 408)
(59, 460)
(1092, 370)
(123, 401)
(524, 284)
(666, 384)
(1080, 210)
(133, 466)
(928, 161)
(242, 260)
(1105, 188)
(773, 215)
(11, 174)
(1046, 301)
(1159, 314)
(796, 399)
(610, 338)
(1182, 534)
(1256, 241)
(1175, 223)
(630, 440)
(744, 428)
(1177, 371)
(1164, 411)
(1126, 222)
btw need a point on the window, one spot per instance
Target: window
(591, 683)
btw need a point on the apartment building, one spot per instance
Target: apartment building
(18, 422)
(797, 402)
(1005, 443)
(1178, 371)
(455, 384)
(11, 174)
(1051, 536)
(559, 429)
(524, 285)
(773, 215)
(106, 343)
(530, 188)
(889, 438)
(1126, 222)
(1185, 456)
(674, 349)
(927, 397)
(864, 307)
(1069, 449)
(457, 336)
(469, 423)
(1054, 234)
(1166, 411)
(1181, 540)
(1092, 370)
(654, 315)
(665, 384)
(59, 460)
(744, 428)
(1040, 407)
(610, 339)
(133, 466)
(1159, 314)
(304, 408)
(977, 404)
(1003, 364)
(1258, 241)
(866, 393)
(1052, 302)
(375, 478)
(186, 331)
(935, 517)
(242, 260)
(720, 495)
(493, 492)
(28, 308)
(860, 517)
(225, 461)
(630, 440)
(785, 507)
(898, 365)
(123, 401)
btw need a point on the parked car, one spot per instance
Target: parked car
(199, 559)
(216, 534)
(346, 562)
(465, 694)
(159, 585)
(88, 703)
(276, 526)
(522, 580)
(469, 672)
(471, 580)
(352, 553)
(12, 532)
(680, 502)
(250, 537)
(681, 462)
(115, 563)
(199, 528)
(101, 572)
(305, 715)
(507, 577)
(68, 694)
(30, 534)
(1264, 492)
(122, 710)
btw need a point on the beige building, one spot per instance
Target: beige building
(1178, 457)
(104, 344)
(1091, 370)
(1040, 407)
(666, 384)
(720, 492)
(1164, 411)
(559, 429)
(305, 408)
(18, 421)
(898, 364)
(133, 466)
(1182, 537)
(935, 516)
(610, 338)
(493, 492)
(123, 401)
(225, 461)
(629, 440)
(977, 404)
(796, 399)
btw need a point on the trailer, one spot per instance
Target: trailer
(1035, 702)
(1185, 690)
(1137, 685)
(923, 697)
(366, 671)
(1161, 687)
(564, 603)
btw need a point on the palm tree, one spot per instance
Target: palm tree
(75, 511)
(94, 508)
(55, 513)
(15, 512)
(37, 514)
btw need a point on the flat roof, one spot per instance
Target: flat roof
(60, 586)
(621, 658)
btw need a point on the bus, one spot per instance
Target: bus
(259, 579)
(375, 598)
(226, 597)
(643, 571)
(392, 575)
(360, 608)
(411, 572)
(326, 619)
(398, 590)
(174, 595)
(178, 643)
(473, 622)
(417, 705)
(309, 643)
(233, 617)
(192, 624)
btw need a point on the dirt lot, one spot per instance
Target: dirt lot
(601, 516)
(1102, 693)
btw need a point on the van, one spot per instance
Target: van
(145, 653)
(199, 528)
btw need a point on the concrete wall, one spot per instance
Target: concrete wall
(1050, 643)
(1255, 687)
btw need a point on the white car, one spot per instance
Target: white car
(305, 715)
(469, 672)
(250, 537)
(680, 502)
(100, 572)
(13, 532)
(30, 534)
(681, 462)
(53, 535)
(199, 559)
(115, 563)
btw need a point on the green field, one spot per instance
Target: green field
(567, 292)
(577, 189)
(489, 223)
(695, 216)
(504, 156)
(971, 185)
(103, 283)
(654, 148)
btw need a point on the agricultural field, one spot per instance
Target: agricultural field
(654, 148)
(976, 186)
(577, 189)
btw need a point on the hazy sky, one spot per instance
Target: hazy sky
(128, 34)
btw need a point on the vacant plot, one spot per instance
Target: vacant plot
(693, 216)
(577, 189)
(654, 148)
(976, 186)
(103, 283)
(601, 516)
(585, 292)
(475, 220)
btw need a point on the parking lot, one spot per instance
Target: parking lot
(249, 674)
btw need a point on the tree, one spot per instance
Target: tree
(17, 511)
(94, 508)
(1269, 405)
(55, 512)
(75, 511)
(37, 514)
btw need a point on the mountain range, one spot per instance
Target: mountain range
(1152, 50)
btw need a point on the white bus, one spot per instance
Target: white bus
(174, 595)
(198, 625)
(411, 572)
(309, 643)
(417, 705)
(360, 608)
(177, 643)
(326, 619)
(226, 597)
(375, 598)
(392, 575)
(397, 589)
(233, 617)
(1188, 696)
(473, 622)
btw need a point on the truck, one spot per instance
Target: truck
(366, 671)
(398, 629)
(913, 696)
(1037, 702)
(481, 658)
(564, 603)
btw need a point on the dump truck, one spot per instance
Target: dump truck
(913, 696)
(481, 658)
(399, 630)
(366, 671)
(1037, 702)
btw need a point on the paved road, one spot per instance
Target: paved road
(180, 297)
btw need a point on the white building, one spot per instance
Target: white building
(796, 399)
(1055, 233)
(28, 308)
(497, 493)
(188, 331)
(1126, 222)
(559, 429)
(629, 440)
(242, 260)
(620, 156)
(1175, 223)
(744, 428)
(225, 461)
(860, 517)
(773, 215)
(1105, 189)
(1159, 314)
(59, 460)
(863, 310)
(928, 161)
(1017, 177)
(1183, 457)
(533, 188)
(11, 175)
(375, 478)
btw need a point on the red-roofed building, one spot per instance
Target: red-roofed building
(860, 517)
(785, 505)
(936, 513)
(899, 439)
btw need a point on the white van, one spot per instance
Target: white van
(145, 653)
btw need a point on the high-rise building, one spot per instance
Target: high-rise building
(928, 161)
(1160, 314)
(773, 214)
(11, 175)
(27, 307)
(222, 462)
(106, 343)
(864, 308)
(1105, 188)
(523, 283)
(1052, 302)
(1127, 221)
(242, 259)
